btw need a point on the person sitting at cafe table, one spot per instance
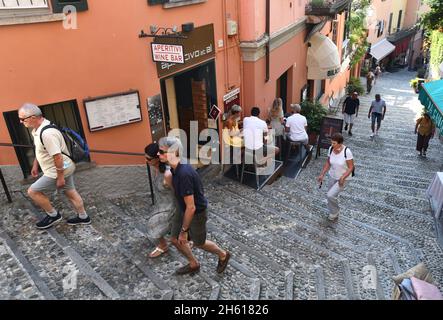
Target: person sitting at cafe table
(232, 135)
(296, 128)
(255, 132)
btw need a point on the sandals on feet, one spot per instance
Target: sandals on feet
(157, 252)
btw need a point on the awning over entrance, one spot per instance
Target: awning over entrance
(431, 96)
(381, 49)
(323, 60)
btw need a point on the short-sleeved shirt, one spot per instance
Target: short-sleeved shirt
(338, 163)
(253, 129)
(53, 144)
(377, 106)
(296, 124)
(351, 105)
(187, 182)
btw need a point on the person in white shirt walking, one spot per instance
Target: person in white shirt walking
(58, 169)
(340, 165)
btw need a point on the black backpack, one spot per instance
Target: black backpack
(329, 154)
(77, 146)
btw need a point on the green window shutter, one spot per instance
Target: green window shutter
(80, 5)
(154, 2)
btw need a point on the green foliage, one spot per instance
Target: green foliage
(436, 50)
(355, 85)
(356, 25)
(317, 3)
(364, 71)
(421, 73)
(314, 113)
(415, 82)
(433, 20)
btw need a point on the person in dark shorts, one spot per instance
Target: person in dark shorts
(190, 220)
(350, 111)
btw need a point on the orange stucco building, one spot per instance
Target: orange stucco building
(92, 67)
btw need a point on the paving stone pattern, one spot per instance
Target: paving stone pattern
(283, 246)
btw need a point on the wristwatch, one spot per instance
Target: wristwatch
(184, 230)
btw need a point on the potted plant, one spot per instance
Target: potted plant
(415, 84)
(314, 113)
(354, 85)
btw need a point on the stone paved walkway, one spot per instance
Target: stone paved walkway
(283, 246)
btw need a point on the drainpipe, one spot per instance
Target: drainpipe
(268, 34)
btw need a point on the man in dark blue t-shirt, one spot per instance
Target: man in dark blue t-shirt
(192, 216)
(350, 111)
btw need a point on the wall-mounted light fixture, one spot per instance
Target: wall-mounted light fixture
(162, 32)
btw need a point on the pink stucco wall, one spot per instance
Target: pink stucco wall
(382, 10)
(289, 57)
(46, 64)
(253, 16)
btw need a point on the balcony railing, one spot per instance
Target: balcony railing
(326, 7)
(401, 34)
(23, 4)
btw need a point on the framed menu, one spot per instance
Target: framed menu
(113, 110)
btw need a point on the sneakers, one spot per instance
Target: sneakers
(333, 217)
(424, 153)
(372, 135)
(48, 221)
(77, 220)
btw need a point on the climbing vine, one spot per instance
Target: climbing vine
(357, 28)
(436, 49)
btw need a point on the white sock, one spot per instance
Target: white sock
(53, 213)
(82, 215)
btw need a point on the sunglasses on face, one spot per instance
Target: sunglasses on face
(163, 151)
(23, 119)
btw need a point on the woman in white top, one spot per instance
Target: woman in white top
(340, 164)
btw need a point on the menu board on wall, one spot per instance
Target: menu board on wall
(155, 110)
(113, 110)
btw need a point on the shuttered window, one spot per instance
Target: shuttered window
(80, 5)
(23, 4)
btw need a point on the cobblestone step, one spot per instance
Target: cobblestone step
(136, 219)
(128, 236)
(354, 276)
(296, 245)
(18, 278)
(414, 208)
(413, 222)
(55, 263)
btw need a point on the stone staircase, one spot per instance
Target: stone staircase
(282, 245)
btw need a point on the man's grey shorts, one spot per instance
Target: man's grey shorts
(197, 228)
(46, 184)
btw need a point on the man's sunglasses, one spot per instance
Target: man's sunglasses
(163, 151)
(23, 119)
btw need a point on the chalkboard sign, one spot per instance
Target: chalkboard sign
(329, 126)
(155, 110)
(113, 110)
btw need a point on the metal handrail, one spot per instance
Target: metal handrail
(148, 168)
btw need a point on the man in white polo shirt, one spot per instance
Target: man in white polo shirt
(255, 130)
(296, 127)
(58, 169)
